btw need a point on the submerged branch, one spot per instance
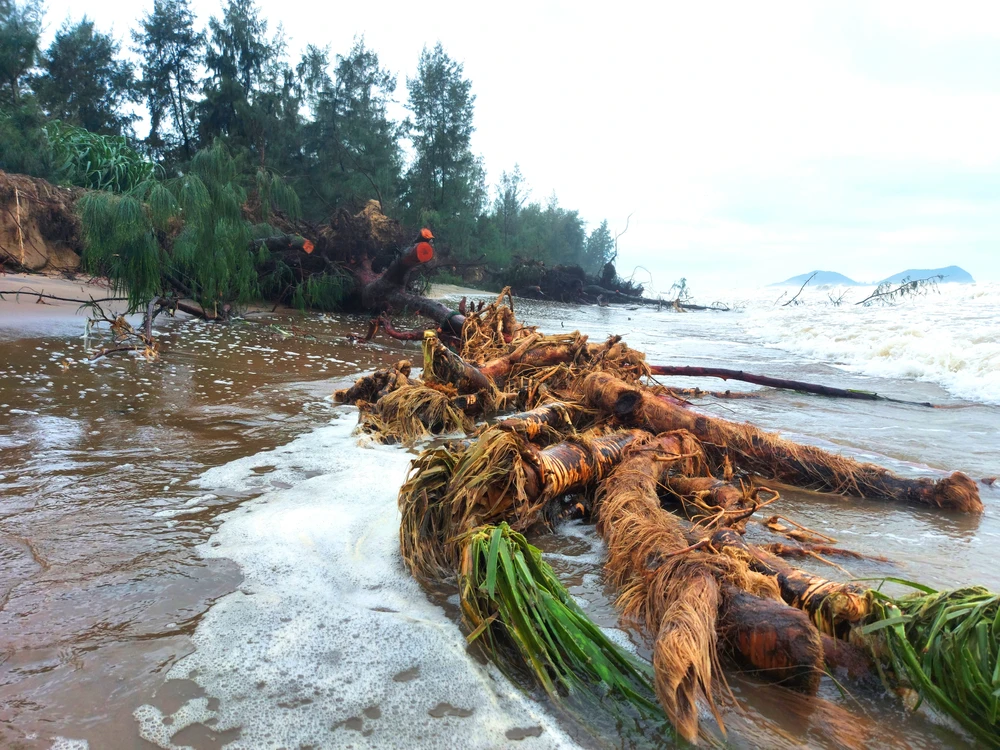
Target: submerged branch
(795, 385)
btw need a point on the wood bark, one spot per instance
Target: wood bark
(795, 385)
(769, 456)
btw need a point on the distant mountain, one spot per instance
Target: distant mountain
(951, 273)
(822, 277)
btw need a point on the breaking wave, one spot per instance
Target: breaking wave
(950, 337)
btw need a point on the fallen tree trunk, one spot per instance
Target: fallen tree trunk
(388, 289)
(795, 385)
(692, 588)
(767, 455)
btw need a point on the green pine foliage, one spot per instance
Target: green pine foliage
(120, 244)
(235, 128)
(324, 293)
(134, 238)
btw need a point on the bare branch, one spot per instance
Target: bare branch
(792, 300)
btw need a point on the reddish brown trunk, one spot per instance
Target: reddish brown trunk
(794, 385)
(771, 638)
(769, 456)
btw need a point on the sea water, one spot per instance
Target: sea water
(263, 534)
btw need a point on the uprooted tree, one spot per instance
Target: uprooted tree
(671, 491)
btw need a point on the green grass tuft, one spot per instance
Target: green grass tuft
(946, 644)
(525, 619)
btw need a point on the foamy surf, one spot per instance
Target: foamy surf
(329, 642)
(950, 338)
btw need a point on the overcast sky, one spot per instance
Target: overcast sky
(749, 141)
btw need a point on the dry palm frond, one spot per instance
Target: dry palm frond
(616, 358)
(412, 412)
(492, 481)
(426, 517)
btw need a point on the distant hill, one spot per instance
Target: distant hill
(822, 277)
(951, 273)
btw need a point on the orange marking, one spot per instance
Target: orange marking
(424, 252)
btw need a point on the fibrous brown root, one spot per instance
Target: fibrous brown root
(811, 550)
(833, 607)
(655, 569)
(488, 333)
(370, 388)
(768, 455)
(712, 502)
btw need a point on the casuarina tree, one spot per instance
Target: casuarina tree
(171, 51)
(445, 183)
(20, 27)
(83, 81)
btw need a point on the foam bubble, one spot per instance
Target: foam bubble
(63, 743)
(329, 642)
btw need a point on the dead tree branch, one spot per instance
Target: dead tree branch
(792, 300)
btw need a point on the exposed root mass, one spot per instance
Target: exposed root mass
(671, 491)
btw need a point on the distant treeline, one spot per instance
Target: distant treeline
(319, 125)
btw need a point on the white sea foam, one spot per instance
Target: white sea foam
(63, 743)
(329, 642)
(951, 338)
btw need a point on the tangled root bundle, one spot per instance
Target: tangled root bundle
(672, 492)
